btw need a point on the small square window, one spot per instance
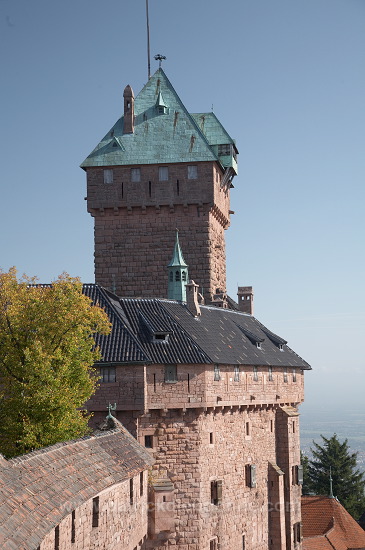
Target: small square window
(135, 174)
(107, 375)
(148, 441)
(108, 176)
(192, 172)
(163, 173)
(216, 492)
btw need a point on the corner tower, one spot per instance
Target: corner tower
(159, 168)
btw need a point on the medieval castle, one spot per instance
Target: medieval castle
(209, 394)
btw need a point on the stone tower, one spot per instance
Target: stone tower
(160, 168)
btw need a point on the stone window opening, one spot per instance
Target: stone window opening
(217, 374)
(250, 471)
(108, 176)
(73, 528)
(95, 512)
(57, 538)
(294, 375)
(243, 542)
(247, 429)
(255, 374)
(148, 441)
(271, 378)
(170, 374)
(131, 491)
(213, 544)
(297, 532)
(211, 438)
(216, 492)
(141, 484)
(107, 375)
(163, 173)
(135, 175)
(285, 376)
(236, 374)
(192, 172)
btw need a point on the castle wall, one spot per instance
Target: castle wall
(121, 524)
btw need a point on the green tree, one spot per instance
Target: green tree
(46, 349)
(348, 482)
(307, 486)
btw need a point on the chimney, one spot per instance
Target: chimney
(128, 95)
(192, 298)
(245, 299)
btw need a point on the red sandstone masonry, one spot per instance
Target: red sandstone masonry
(135, 225)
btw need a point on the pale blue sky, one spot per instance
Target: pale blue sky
(287, 80)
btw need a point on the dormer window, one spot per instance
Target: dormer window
(225, 150)
(161, 337)
(258, 345)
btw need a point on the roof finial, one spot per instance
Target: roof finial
(110, 409)
(160, 58)
(331, 487)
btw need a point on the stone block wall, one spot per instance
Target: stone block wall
(115, 521)
(135, 226)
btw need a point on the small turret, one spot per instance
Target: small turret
(245, 299)
(128, 95)
(178, 274)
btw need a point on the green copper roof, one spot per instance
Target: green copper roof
(212, 128)
(177, 258)
(173, 136)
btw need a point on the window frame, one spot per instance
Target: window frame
(163, 173)
(106, 373)
(135, 175)
(192, 172)
(108, 176)
(170, 376)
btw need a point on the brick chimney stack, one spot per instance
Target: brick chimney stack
(245, 299)
(192, 298)
(128, 95)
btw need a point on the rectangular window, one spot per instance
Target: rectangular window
(213, 545)
(57, 538)
(148, 441)
(141, 484)
(236, 374)
(131, 491)
(95, 512)
(211, 438)
(297, 532)
(108, 176)
(217, 374)
(270, 374)
(216, 492)
(135, 174)
(247, 429)
(107, 374)
(243, 542)
(163, 173)
(294, 375)
(170, 373)
(192, 172)
(224, 150)
(73, 528)
(250, 475)
(285, 375)
(255, 374)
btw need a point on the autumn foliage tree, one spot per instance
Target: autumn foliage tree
(46, 353)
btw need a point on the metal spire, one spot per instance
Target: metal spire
(148, 42)
(160, 58)
(331, 487)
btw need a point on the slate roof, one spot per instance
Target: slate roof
(217, 336)
(328, 526)
(159, 138)
(39, 489)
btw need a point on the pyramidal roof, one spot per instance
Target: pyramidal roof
(168, 137)
(177, 258)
